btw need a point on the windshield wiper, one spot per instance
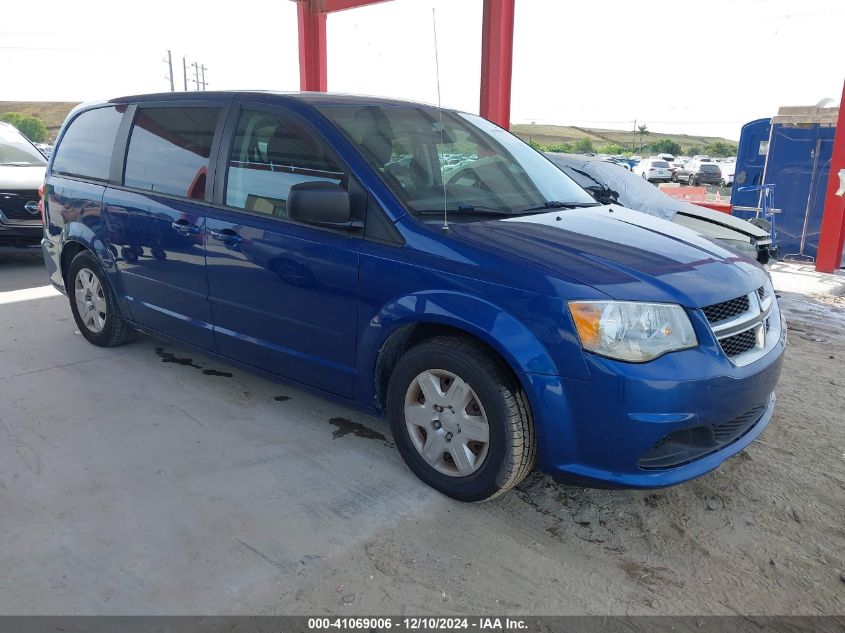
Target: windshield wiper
(466, 209)
(555, 204)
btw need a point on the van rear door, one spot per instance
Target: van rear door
(156, 217)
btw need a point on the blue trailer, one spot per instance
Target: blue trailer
(788, 155)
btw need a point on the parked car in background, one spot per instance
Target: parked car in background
(698, 173)
(702, 158)
(21, 174)
(653, 170)
(669, 158)
(617, 161)
(727, 168)
(609, 186)
(531, 324)
(44, 148)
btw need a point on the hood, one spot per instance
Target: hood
(636, 193)
(719, 219)
(625, 254)
(13, 178)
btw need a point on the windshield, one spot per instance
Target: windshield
(16, 150)
(477, 165)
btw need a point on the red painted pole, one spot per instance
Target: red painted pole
(832, 236)
(312, 47)
(497, 61)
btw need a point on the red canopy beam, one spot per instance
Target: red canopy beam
(311, 15)
(497, 61)
(312, 47)
(832, 236)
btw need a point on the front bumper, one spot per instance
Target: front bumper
(20, 236)
(627, 425)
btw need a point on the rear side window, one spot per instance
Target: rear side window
(86, 147)
(169, 150)
(270, 154)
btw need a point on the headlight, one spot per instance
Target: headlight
(635, 332)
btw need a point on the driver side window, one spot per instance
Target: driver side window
(270, 154)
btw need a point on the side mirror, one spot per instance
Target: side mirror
(321, 203)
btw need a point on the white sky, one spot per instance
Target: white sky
(702, 67)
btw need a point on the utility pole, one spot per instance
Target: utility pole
(196, 78)
(185, 72)
(169, 62)
(202, 68)
(634, 136)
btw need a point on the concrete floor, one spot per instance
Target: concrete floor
(133, 485)
(149, 479)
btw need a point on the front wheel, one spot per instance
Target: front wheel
(94, 305)
(460, 420)
(692, 181)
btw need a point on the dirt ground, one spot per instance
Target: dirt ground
(151, 479)
(763, 535)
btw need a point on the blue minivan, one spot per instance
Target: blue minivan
(420, 264)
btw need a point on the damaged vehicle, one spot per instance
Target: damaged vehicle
(610, 186)
(493, 311)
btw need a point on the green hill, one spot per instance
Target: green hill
(53, 113)
(550, 135)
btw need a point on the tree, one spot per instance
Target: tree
(692, 150)
(31, 127)
(643, 130)
(665, 146)
(720, 149)
(584, 146)
(611, 148)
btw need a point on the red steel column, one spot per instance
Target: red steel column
(497, 61)
(312, 46)
(832, 235)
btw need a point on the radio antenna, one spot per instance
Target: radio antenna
(440, 115)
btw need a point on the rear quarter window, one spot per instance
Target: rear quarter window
(86, 146)
(169, 148)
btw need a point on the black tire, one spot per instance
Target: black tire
(512, 449)
(115, 330)
(674, 178)
(692, 181)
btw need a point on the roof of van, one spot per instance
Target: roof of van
(307, 97)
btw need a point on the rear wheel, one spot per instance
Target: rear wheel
(460, 421)
(94, 305)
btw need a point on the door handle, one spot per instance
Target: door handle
(183, 227)
(226, 235)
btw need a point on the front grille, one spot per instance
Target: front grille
(719, 312)
(8, 240)
(730, 431)
(12, 204)
(687, 445)
(739, 343)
